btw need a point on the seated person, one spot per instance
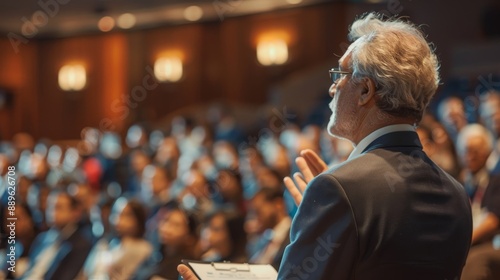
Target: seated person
(60, 252)
(178, 236)
(120, 257)
(224, 238)
(475, 144)
(271, 213)
(26, 232)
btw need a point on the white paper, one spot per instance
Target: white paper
(234, 271)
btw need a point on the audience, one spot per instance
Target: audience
(202, 189)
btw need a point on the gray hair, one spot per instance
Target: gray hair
(396, 55)
(474, 130)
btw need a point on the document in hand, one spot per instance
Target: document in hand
(232, 271)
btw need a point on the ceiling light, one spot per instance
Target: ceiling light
(126, 21)
(106, 23)
(193, 13)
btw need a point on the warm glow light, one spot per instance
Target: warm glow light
(106, 23)
(294, 1)
(272, 52)
(193, 13)
(168, 69)
(126, 21)
(72, 77)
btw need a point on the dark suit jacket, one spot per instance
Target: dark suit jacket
(389, 214)
(70, 256)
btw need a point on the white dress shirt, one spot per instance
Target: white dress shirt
(376, 134)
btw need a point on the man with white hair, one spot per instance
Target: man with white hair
(475, 144)
(388, 212)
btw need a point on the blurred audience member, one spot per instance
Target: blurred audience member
(155, 188)
(60, 252)
(277, 158)
(137, 137)
(139, 159)
(489, 110)
(25, 233)
(230, 190)
(120, 257)
(22, 188)
(483, 261)
(88, 149)
(267, 177)
(37, 200)
(224, 238)
(251, 160)
(168, 155)
(438, 146)
(334, 150)
(451, 113)
(100, 214)
(271, 213)
(313, 134)
(197, 195)
(474, 145)
(178, 236)
(225, 155)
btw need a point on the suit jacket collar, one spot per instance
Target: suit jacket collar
(395, 139)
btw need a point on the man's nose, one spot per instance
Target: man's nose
(332, 90)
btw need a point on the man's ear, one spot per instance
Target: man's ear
(367, 92)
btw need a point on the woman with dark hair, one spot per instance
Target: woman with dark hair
(178, 236)
(230, 189)
(121, 256)
(224, 238)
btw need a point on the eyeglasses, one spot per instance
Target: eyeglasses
(336, 74)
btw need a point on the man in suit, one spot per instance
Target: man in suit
(60, 252)
(388, 212)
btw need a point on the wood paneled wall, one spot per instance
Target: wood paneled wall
(219, 64)
(19, 75)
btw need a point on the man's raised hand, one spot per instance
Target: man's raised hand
(310, 166)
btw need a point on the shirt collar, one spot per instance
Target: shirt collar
(376, 134)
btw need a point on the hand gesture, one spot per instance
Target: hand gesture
(310, 166)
